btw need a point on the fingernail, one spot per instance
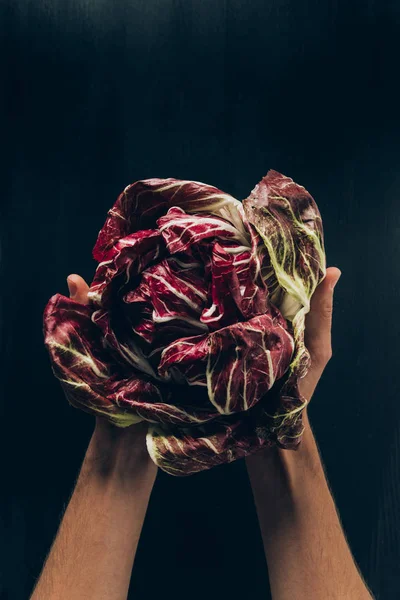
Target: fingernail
(73, 288)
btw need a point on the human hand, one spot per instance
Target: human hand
(131, 441)
(317, 335)
(317, 339)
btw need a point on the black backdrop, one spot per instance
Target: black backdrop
(96, 95)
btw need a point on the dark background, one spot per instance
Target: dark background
(97, 95)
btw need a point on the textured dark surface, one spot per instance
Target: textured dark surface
(97, 95)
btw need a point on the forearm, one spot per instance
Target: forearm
(305, 547)
(93, 553)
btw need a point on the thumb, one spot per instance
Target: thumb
(318, 323)
(78, 288)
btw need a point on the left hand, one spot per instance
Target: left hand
(317, 335)
(106, 436)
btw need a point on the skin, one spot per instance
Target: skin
(306, 550)
(134, 437)
(93, 553)
(305, 547)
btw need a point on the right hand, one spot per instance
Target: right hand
(317, 334)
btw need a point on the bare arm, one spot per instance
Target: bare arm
(93, 553)
(306, 550)
(305, 547)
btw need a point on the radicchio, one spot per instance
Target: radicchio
(195, 321)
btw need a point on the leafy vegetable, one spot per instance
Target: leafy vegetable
(195, 321)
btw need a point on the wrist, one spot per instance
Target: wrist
(119, 451)
(274, 464)
(267, 451)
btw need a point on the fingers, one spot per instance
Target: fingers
(78, 288)
(318, 324)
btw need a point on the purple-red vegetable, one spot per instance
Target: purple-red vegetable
(195, 321)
